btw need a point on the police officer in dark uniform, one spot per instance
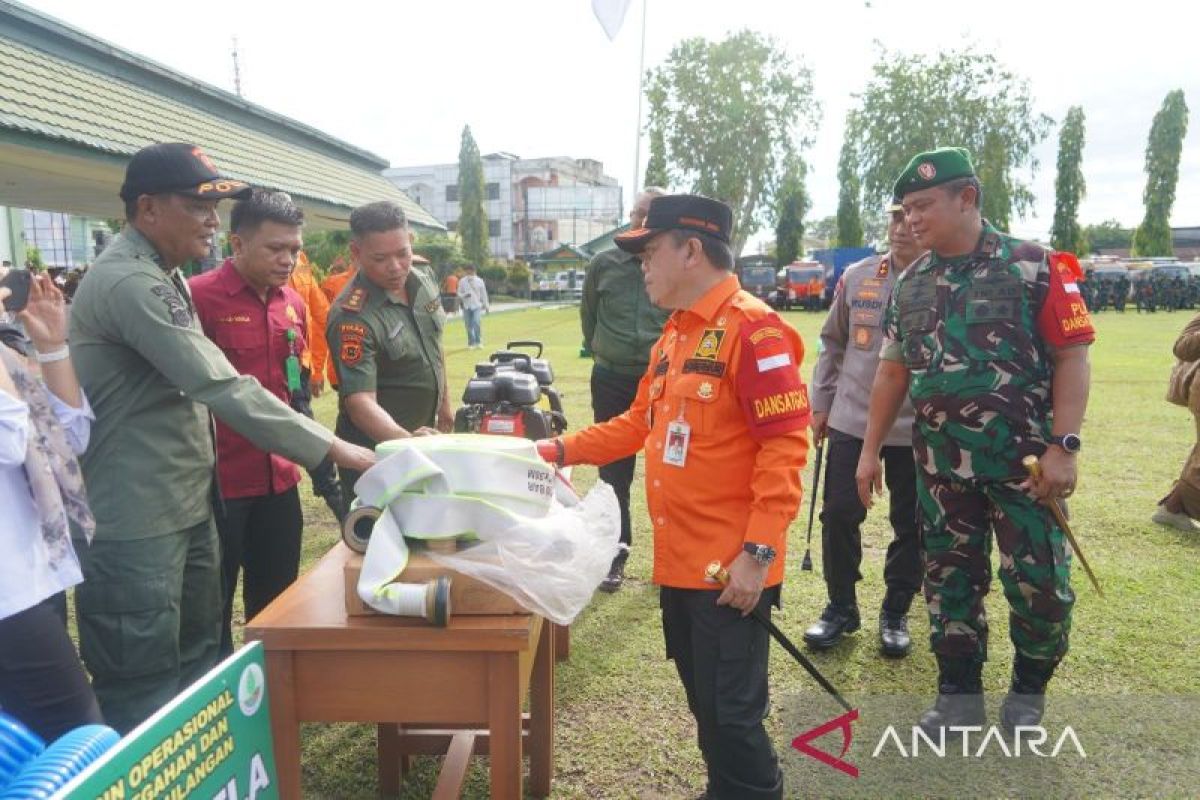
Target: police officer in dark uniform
(385, 338)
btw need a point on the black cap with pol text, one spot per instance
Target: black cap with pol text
(178, 168)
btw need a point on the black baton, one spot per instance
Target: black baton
(806, 564)
(721, 575)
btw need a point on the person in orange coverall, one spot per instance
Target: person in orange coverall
(316, 356)
(722, 416)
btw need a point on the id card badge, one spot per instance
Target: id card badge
(679, 434)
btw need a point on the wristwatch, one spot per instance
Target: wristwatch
(763, 554)
(1068, 441)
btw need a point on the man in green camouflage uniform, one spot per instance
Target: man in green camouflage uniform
(988, 336)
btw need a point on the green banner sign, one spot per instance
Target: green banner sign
(211, 742)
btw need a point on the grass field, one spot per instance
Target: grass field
(623, 728)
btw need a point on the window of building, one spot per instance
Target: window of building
(51, 233)
(452, 193)
(493, 227)
(452, 226)
(493, 191)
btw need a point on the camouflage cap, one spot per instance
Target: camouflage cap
(932, 168)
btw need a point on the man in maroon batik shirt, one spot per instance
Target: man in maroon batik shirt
(247, 309)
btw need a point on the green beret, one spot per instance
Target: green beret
(932, 168)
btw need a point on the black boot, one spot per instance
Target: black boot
(836, 621)
(616, 573)
(1025, 702)
(960, 696)
(894, 640)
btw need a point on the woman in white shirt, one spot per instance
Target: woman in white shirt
(44, 424)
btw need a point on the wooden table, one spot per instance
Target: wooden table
(405, 675)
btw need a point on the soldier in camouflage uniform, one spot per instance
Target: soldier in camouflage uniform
(1120, 293)
(1144, 295)
(1102, 296)
(1088, 288)
(987, 334)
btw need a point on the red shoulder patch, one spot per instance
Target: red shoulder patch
(774, 399)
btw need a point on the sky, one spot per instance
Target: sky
(540, 77)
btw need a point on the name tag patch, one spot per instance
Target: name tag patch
(704, 366)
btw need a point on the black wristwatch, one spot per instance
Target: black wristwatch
(1068, 441)
(763, 554)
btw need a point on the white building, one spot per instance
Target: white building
(532, 205)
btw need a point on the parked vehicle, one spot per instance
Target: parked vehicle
(759, 280)
(835, 260)
(802, 284)
(562, 285)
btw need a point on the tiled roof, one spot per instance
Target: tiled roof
(49, 96)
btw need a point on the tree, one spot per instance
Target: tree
(33, 258)
(472, 218)
(875, 225)
(732, 114)
(824, 230)
(960, 97)
(324, 248)
(656, 167)
(1069, 186)
(1108, 235)
(1153, 236)
(849, 217)
(791, 204)
(443, 252)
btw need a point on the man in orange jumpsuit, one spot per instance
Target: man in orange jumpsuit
(316, 355)
(721, 414)
(314, 359)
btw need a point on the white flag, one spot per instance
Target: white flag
(610, 13)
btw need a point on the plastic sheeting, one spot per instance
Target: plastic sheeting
(496, 495)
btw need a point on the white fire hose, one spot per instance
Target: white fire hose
(502, 504)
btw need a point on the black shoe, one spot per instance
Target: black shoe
(960, 697)
(616, 573)
(894, 640)
(1025, 703)
(836, 621)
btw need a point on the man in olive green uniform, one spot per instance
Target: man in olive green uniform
(385, 337)
(620, 325)
(149, 609)
(989, 337)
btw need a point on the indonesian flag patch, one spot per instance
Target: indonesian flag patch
(770, 348)
(774, 400)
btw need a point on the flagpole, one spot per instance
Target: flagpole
(637, 145)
